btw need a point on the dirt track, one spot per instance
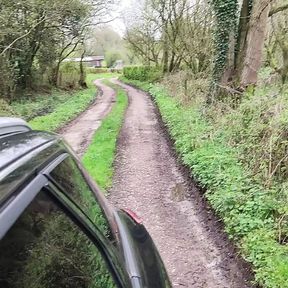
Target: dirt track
(149, 181)
(79, 132)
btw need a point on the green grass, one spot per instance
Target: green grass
(68, 110)
(250, 210)
(39, 104)
(99, 157)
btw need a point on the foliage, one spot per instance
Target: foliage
(107, 42)
(99, 156)
(97, 70)
(65, 111)
(226, 20)
(142, 39)
(41, 104)
(36, 36)
(6, 109)
(45, 22)
(185, 85)
(254, 214)
(111, 57)
(142, 73)
(260, 133)
(69, 75)
(171, 34)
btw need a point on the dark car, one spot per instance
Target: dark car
(56, 227)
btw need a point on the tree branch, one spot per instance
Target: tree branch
(278, 9)
(23, 36)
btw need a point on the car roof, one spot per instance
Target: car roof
(23, 154)
(12, 125)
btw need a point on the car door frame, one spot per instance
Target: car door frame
(74, 212)
(19, 201)
(79, 217)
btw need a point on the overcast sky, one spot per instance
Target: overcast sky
(124, 6)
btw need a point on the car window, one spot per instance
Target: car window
(70, 179)
(45, 249)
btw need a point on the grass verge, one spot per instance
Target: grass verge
(40, 105)
(68, 110)
(99, 157)
(248, 209)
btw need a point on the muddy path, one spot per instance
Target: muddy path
(79, 132)
(149, 181)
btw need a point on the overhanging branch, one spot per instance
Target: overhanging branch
(278, 9)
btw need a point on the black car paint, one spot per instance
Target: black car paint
(141, 255)
(103, 245)
(25, 156)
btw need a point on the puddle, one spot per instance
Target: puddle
(178, 192)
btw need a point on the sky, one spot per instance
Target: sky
(124, 6)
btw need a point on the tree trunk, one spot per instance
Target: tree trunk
(284, 69)
(242, 35)
(229, 70)
(172, 64)
(255, 43)
(56, 74)
(82, 82)
(165, 52)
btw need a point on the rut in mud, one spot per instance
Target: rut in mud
(79, 132)
(149, 181)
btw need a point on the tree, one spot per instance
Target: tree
(105, 41)
(143, 37)
(254, 44)
(250, 34)
(194, 30)
(171, 33)
(277, 46)
(33, 31)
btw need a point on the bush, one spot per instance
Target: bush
(6, 110)
(94, 70)
(142, 73)
(116, 70)
(69, 75)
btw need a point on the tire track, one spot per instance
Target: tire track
(79, 132)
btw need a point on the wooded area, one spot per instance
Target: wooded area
(225, 37)
(37, 36)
